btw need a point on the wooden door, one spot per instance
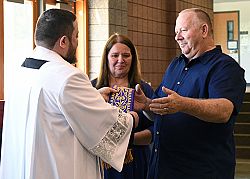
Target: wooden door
(226, 32)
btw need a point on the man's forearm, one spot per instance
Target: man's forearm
(210, 110)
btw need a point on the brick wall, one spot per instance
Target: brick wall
(151, 27)
(148, 23)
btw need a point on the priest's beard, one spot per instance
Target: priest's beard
(71, 55)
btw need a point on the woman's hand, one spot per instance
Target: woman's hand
(136, 118)
(141, 102)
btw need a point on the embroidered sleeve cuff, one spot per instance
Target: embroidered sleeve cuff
(106, 148)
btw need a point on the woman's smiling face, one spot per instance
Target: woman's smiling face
(119, 59)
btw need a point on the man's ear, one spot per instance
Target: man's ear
(63, 41)
(204, 28)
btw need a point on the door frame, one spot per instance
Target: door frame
(238, 13)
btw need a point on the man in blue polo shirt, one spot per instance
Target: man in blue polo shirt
(196, 106)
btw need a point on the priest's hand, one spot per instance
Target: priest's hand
(105, 92)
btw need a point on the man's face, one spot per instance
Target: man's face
(71, 54)
(188, 34)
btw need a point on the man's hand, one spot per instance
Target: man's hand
(167, 105)
(141, 102)
(105, 92)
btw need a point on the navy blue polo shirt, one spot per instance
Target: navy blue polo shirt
(184, 146)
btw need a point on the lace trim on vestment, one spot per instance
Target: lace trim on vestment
(107, 146)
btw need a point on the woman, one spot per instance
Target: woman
(120, 66)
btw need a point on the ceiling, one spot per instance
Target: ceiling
(219, 1)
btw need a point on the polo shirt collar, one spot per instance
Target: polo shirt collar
(204, 58)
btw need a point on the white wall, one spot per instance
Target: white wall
(243, 8)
